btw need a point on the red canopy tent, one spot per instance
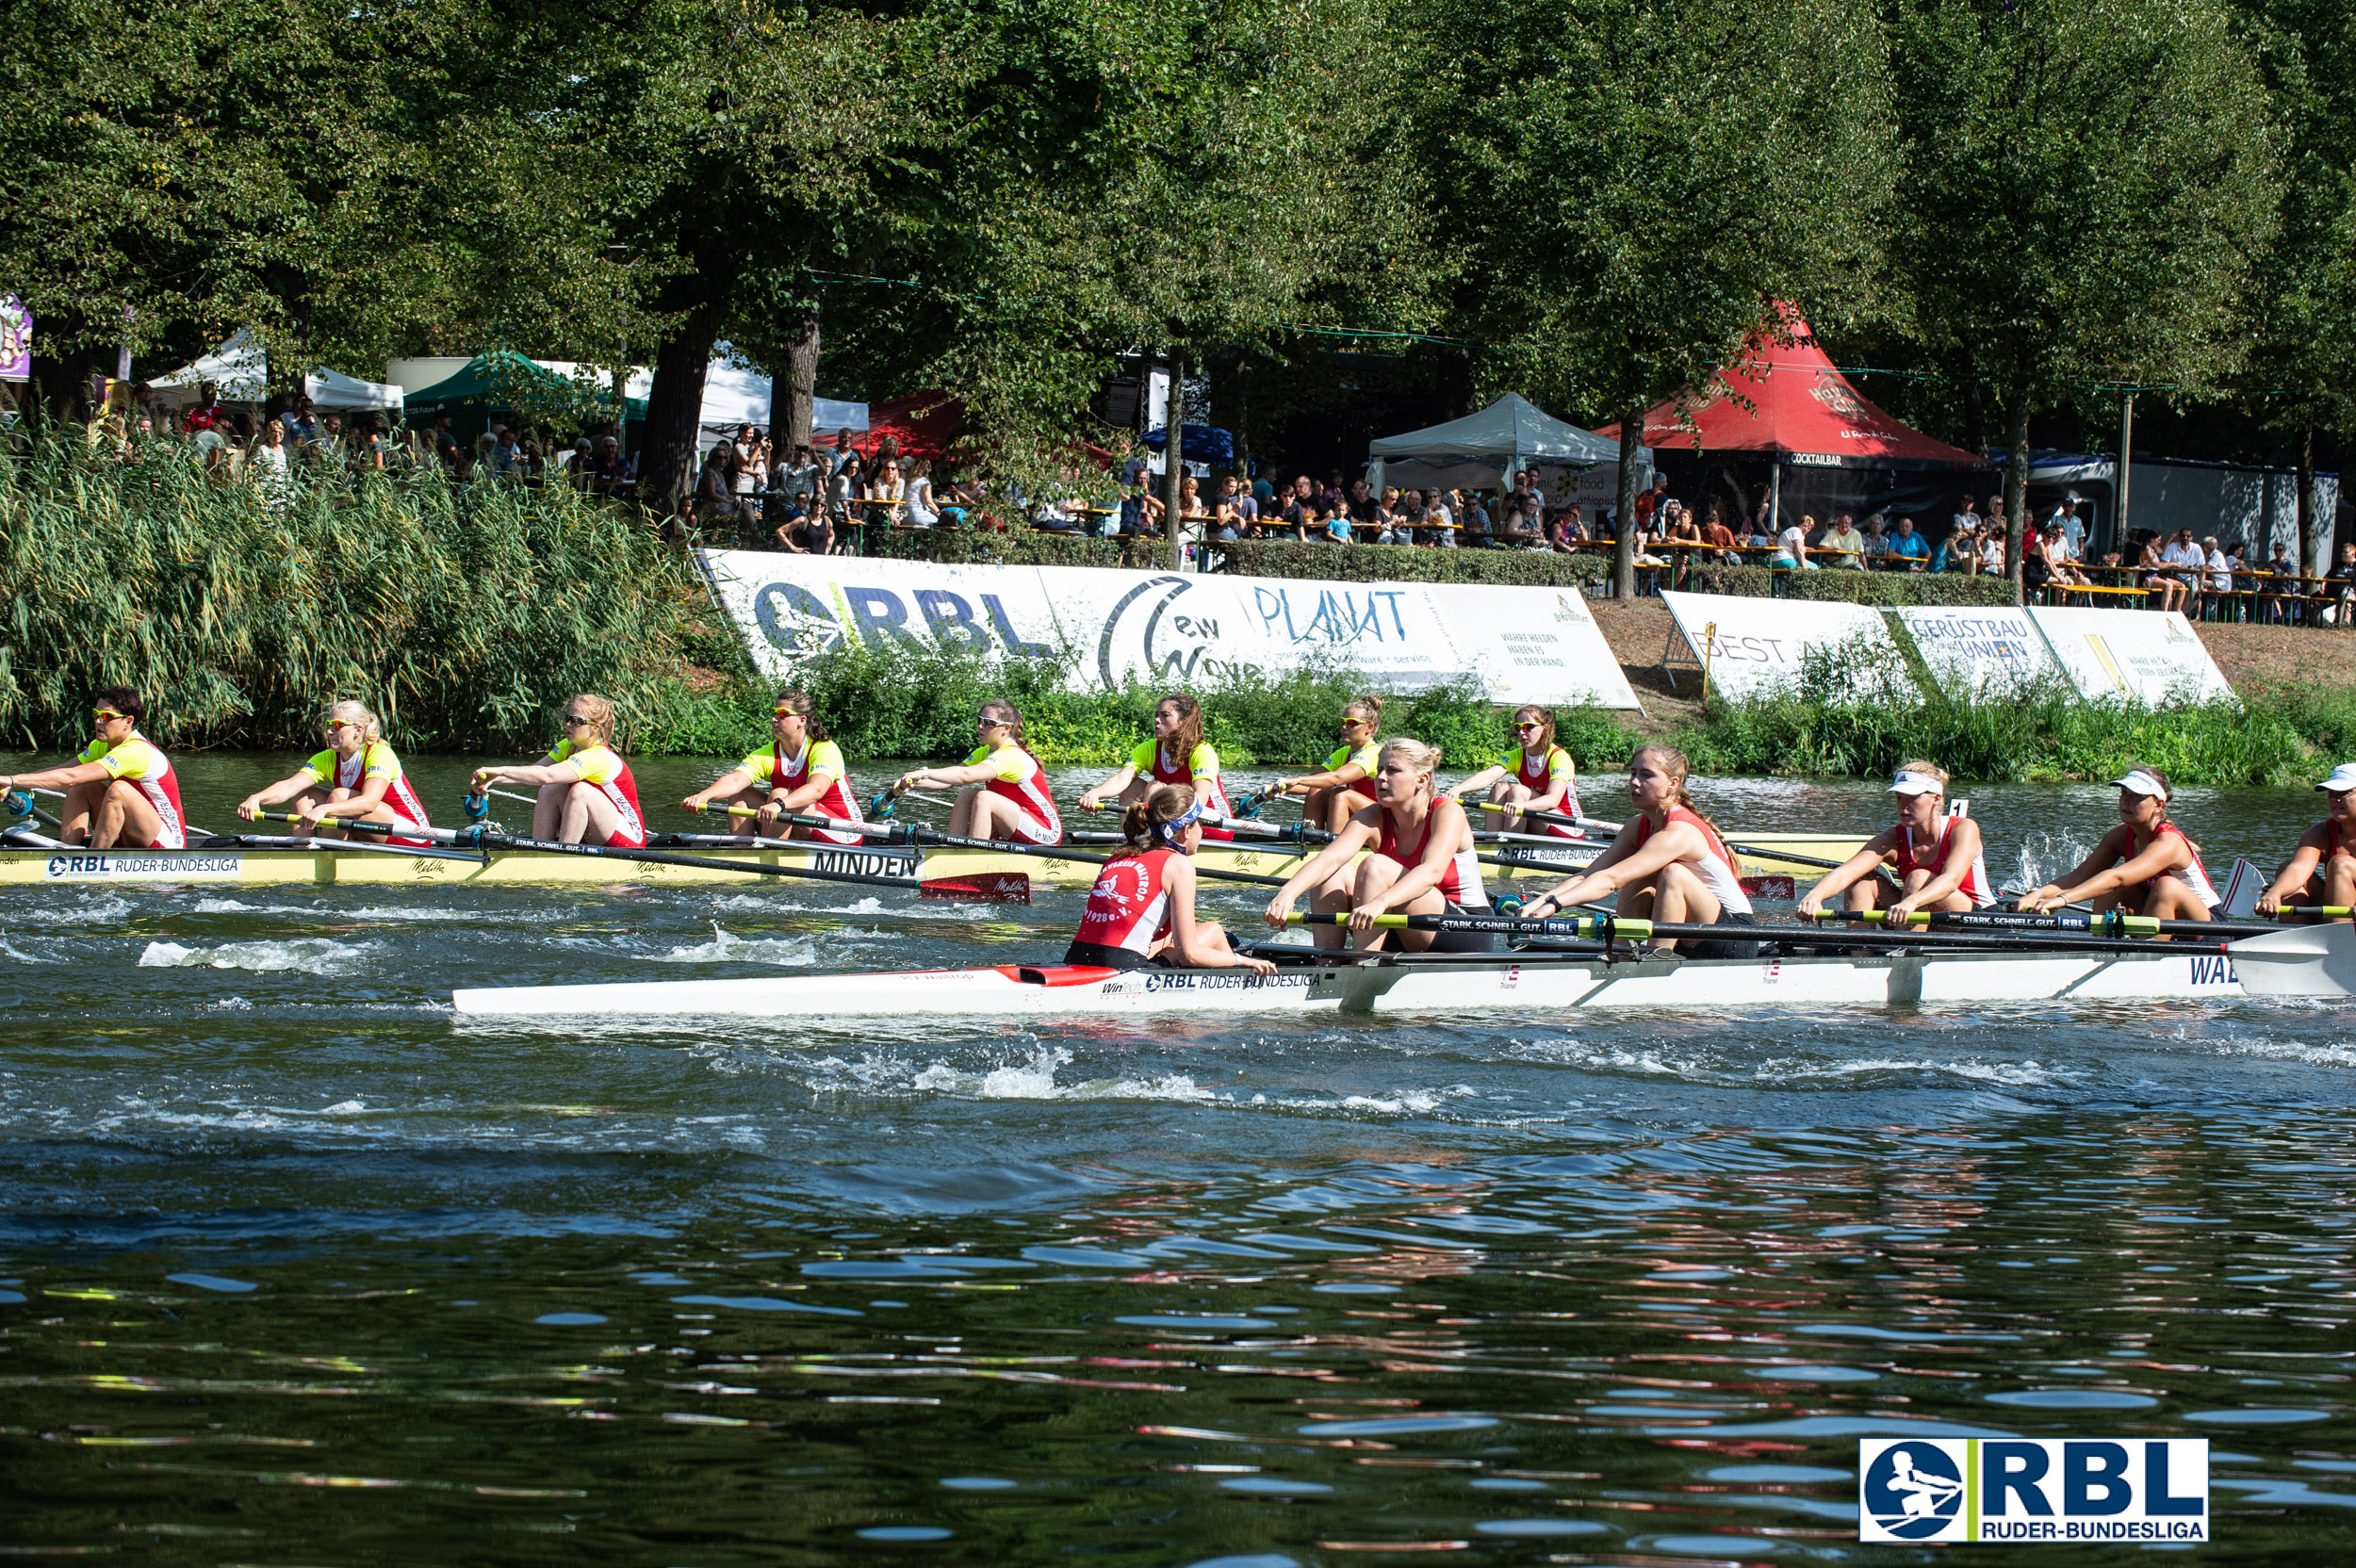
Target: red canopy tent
(924, 423)
(1803, 414)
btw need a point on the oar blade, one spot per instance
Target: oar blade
(2306, 960)
(993, 886)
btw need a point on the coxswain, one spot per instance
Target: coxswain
(1005, 793)
(2321, 871)
(1935, 858)
(1666, 865)
(587, 795)
(1348, 773)
(1422, 861)
(2145, 865)
(1176, 753)
(1141, 910)
(800, 770)
(120, 792)
(1536, 774)
(356, 778)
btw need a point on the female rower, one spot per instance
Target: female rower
(1536, 774)
(1141, 910)
(1937, 856)
(801, 769)
(1348, 782)
(1176, 754)
(1422, 863)
(2145, 865)
(1005, 794)
(356, 778)
(120, 792)
(2323, 870)
(1668, 864)
(587, 795)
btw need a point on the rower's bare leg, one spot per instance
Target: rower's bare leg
(1867, 893)
(590, 816)
(995, 817)
(1679, 898)
(547, 815)
(961, 814)
(2171, 900)
(1327, 902)
(2339, 882)
(125, 816)
(328, 826)
(1212, 937)
(1507, 792)
(74, 816)
(745, 828)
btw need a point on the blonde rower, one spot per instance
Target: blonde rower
(587, 794)
(1003, 792)
(801, 769)
(2323, 870)
(1348, 782)
(1141, 910)
(356, 778)
(1536, 774)
(2145, 865)
(1175, 753)
(1936, 857)
(1668, 864)
(1422, 861)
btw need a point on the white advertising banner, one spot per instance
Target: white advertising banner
(1983, 649)
(1525, 645)
(1752, 646)
(2147, 658)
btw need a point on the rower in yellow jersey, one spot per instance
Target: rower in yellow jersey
(1347, 785)
(1176, 753)
(356, 778)
(120, 792)
(800, 770)
(587, 794)
(1536, 774)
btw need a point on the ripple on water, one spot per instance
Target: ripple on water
(296, 954)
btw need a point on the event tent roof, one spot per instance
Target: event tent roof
(923, 423)
(1513, 427)
(1801, 407)
(238, 369)
(333, 389)
(496, 377)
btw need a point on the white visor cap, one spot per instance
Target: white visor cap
(2342, 777)
(2143, 784)
(1915, 784)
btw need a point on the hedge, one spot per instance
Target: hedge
(1887, 588)
(965, 547)
(1409, 563)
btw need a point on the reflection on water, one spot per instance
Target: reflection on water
(292, 1270)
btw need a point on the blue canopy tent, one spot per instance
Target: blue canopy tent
(1198, 444)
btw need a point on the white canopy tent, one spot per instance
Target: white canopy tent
(333, 389)
(238, 369)
(1487, 448)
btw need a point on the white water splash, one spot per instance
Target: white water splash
(1035, 1079)
(305, 954)
(2044, 857)
(725, 948)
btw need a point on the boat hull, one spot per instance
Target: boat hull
(2307, 965)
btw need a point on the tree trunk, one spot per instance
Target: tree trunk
(2016, 488)
(797, 380)
(2306, 499)
(1174, 458)
(1227, 411)
(675, 405)
(1623, 514)
(1974, 406)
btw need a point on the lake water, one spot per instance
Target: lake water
(294, 1270)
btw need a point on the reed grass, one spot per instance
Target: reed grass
(462, 615)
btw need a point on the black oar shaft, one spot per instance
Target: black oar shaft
(694, 862)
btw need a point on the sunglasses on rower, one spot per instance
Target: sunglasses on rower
(103, 714)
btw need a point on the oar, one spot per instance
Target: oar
(909, 833)
(402, 829)
(1614, 928)
(20, 803)
(1566, 819)
(952, 890)
(2113, 924)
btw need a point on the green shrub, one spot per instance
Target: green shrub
(1889, 588)
(1408, 563)
(959, 547)
(464, 615)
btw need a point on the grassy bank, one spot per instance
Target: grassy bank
(464, 614)
(922, 705)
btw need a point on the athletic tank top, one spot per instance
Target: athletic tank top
(1974, 884)
(1715, 867)
(2195, 875)
(1020, 778)
(1460, 881)
(602, 768)
(1556, 764)
(781, 771)
(1201, 763)
(136, 760)
(1129, 908)
(375, 760)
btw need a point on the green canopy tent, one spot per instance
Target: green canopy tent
(506, 382)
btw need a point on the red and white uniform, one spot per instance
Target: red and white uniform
(1129, 908)
(2195, 875)
(1539, 775)
(1715, 867)
(1202, 762)
(374, 760)
(1460, 880)
(136, 761)
(1016, 776)
(819, 758)
(602, 768)
(1975, 885)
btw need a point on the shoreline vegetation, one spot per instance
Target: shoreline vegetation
(466, 615)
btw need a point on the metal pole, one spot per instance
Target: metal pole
(1174, 458)
(1775, 502)
(2126, 450)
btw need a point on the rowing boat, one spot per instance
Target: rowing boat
(2316, 961)
(253, 859)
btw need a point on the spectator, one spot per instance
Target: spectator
(2188, 558)
(269, 470)
(2340, 585)
(1792, 547)
(1720, 538)
(1515, 531)
(1968, 517)
(1685, 538)
(297, 418)
(1569, 533)
(2036, 568)
(607, 470)
(207, 414)
(1844, 544)
(1479, 529)
(1439, 523)
(2073, 528)
(1960, 551)
(1334, 511)
(1648, 502)
(1992, 547)
(2220, 566)
(715, 487)
(797, 480)
(2157, 577)
(919, 507)
(503, 453)
(1911, 549)
(1361, 504)
(1386, 522)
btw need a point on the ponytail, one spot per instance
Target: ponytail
(1370, 706)
(1140, 824)
(1189, 724)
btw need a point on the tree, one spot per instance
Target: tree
(2084, 187)
(1633, 183)
(2304, 305)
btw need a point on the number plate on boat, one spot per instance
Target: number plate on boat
(144, 866)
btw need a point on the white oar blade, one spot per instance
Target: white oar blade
(2306, 960)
